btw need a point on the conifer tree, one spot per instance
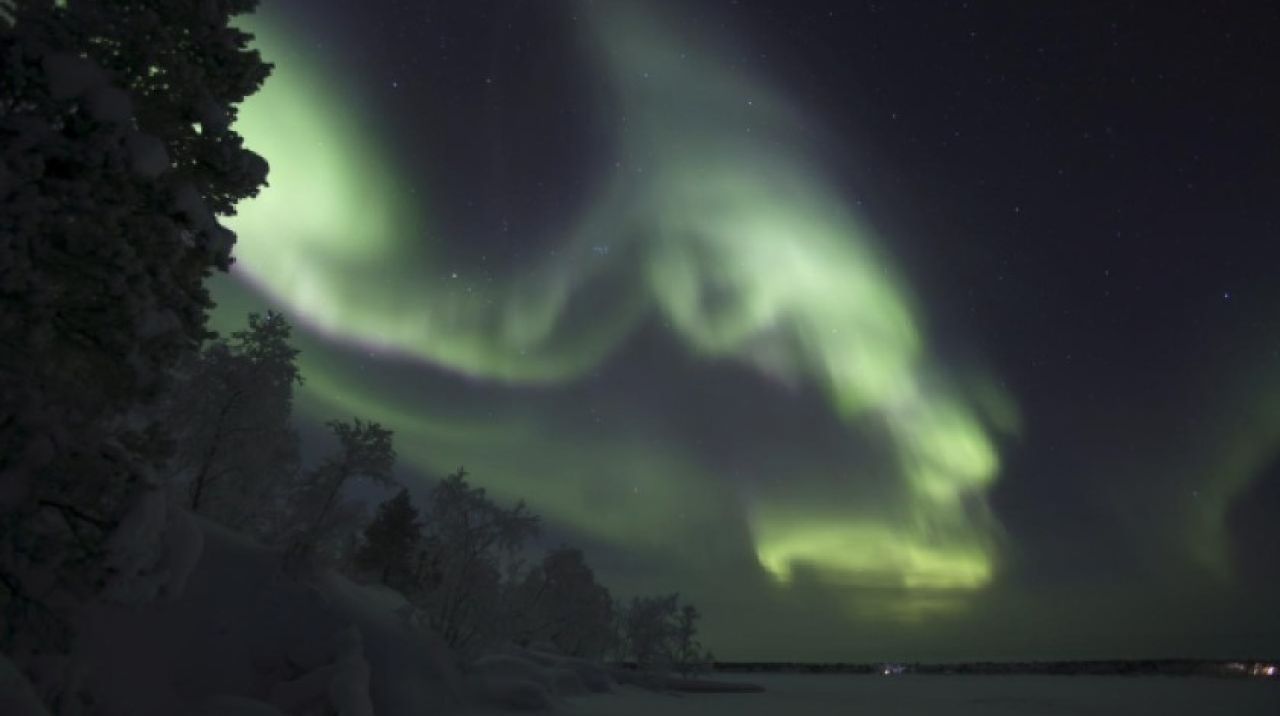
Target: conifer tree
(117, 158)
(390, 540)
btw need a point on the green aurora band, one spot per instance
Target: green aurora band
(720, 225)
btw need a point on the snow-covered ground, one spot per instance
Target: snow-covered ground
(243, 639)
(833, 695)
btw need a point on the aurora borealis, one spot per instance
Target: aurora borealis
(736, 348)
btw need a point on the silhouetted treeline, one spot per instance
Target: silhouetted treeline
(458, 556)
(1147, 667)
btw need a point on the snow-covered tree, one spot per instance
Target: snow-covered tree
(116, 158)
(559, 601)
(468, 543)
(659, 634)
(648, 627)
(364, 452)
(390, 541)
(231, 414)
(687, 654)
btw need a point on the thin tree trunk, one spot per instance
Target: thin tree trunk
(200, 482)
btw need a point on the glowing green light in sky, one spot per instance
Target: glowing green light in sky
(337, 238)
(870, 555)
(724, 226)
(1240, 443)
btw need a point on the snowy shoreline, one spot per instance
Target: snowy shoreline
(911, 695)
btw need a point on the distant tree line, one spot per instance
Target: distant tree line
(1099, 667)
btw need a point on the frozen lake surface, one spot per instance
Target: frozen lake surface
(836, 694)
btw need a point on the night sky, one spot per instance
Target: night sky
(920, 330)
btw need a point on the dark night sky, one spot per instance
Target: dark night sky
(881, 330)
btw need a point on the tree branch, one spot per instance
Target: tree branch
(65, 509)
